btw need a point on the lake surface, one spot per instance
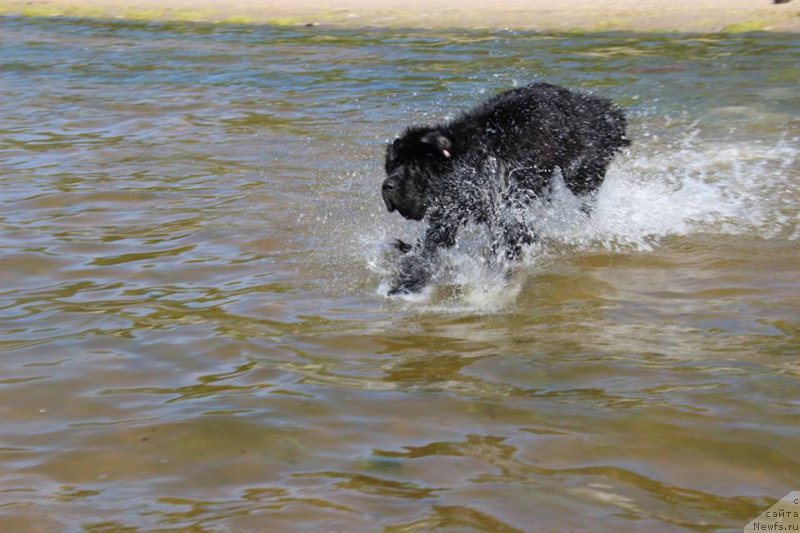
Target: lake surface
(193, 331)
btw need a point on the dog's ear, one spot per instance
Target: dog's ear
(392, 148)
(440, 142)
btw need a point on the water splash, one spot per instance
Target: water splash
(726, 188)
(655, 190)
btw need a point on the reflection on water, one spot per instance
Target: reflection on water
(193, 336)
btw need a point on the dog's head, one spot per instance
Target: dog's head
(414, 163)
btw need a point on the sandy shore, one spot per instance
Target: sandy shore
(559, 15)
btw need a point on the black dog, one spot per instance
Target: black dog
(490, 162)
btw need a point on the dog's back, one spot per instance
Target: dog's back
(539, 127)
(547, 121)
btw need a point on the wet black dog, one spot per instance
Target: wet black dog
(491, 161)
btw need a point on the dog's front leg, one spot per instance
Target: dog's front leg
(416, 267)
(515, 234)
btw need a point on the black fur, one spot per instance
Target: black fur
(492, 159)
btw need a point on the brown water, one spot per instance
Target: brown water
(193, 335)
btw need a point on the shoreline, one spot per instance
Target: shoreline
(680, 16)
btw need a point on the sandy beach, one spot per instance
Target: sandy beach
(540, 15)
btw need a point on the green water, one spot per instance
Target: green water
(193, 335)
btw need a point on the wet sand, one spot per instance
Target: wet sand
(542, 15)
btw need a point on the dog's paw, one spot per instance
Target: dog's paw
(409, 294)
(398, 291)
(403, 246)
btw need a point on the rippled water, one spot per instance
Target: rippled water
(193, 336)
